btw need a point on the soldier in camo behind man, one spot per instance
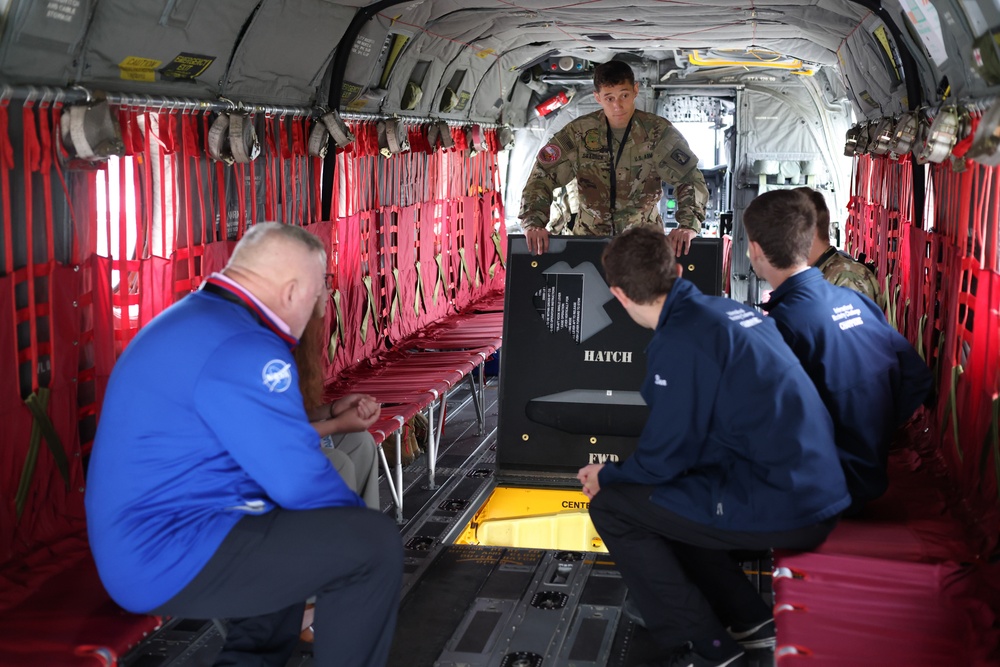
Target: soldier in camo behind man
(837, 267)
(644, 148)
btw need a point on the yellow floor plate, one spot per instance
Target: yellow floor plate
(534, 519)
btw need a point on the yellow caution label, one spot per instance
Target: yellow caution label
(484, 53)
(134, 68)
(883, 39)
(396, 48)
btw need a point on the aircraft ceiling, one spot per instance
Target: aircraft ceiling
(465, 59)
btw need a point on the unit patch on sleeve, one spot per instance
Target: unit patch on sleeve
(680, 157)
(549, 154)
(592, 140)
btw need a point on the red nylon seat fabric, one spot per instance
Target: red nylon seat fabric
(68, 621)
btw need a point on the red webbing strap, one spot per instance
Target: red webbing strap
(46, 142)
(222, 233)
(283, 155)
(162, 119)
(202, 178)
(271, 163)
(299, 150)
(124, 276)
(253, 195)
(296, 145)
(191, 281)
(143, 145)
(315, 166)
(346, 180)
(985, 359)
(6, 166)
(32, 160)
(239, 170)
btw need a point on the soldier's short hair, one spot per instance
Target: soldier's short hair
(640, 261)
(613, 73)
(822, 213)
(783, 223)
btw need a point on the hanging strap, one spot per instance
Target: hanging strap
(32, 163)
(419, 300)
(395, 296)
(41, 428)
(465, 267)
(369, 317)
(338, 323)
(6, 165)
(441, 280)
(496, 244)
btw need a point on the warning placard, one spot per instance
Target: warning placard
(187, 66)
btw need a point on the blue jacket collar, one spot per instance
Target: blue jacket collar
(680, 292)
(226, 292)
(809, 276)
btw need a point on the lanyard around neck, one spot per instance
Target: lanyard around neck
(613, 160)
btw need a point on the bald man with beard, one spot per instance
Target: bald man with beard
(208, 495)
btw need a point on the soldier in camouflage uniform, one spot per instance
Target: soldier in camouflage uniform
(565, 209)
(837, 267)
(645, 149)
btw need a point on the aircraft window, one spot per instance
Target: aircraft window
(707, 141)
(118, 186)
(111, 199)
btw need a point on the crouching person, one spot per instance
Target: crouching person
(870, 377)
(738, 453)
(208, 496)
(342, 425)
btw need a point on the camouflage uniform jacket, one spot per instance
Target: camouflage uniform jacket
(654, 151)
(841, 269)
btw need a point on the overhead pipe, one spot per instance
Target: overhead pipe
(82, 95)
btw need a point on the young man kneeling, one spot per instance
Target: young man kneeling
(737, 454)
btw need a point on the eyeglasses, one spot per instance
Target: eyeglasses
(331, 280)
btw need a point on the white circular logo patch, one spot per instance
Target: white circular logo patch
(277, 375)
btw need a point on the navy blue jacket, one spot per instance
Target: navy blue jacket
(870, 377)
(737, 436)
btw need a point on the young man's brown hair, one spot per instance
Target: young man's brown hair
(613, 73)
(822, 212)
(640, 261)
(783, 223)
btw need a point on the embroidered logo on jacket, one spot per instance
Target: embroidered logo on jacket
(658, 381)
(277, 375)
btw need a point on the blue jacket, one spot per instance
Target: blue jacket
(870, 377)
(737, 436)
(202, 424)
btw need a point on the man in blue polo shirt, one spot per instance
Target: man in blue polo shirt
(870, 377)
(737, 453)
(208, 495)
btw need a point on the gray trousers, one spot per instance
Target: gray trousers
(350, 558)
(354, 456)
